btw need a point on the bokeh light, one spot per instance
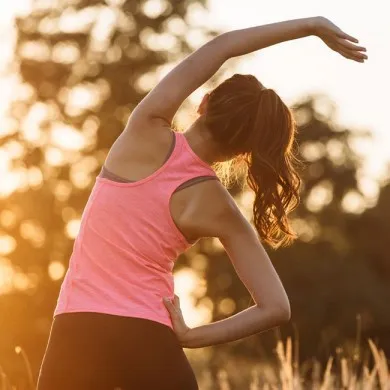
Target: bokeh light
(186, 281)
(56, 270)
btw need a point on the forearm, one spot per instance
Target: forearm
(165, 99)
(235, 43)
(239, 42)
(245, 323)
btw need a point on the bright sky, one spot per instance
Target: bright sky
(304, 66)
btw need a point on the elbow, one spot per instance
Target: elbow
(278, 314)
(284, 314)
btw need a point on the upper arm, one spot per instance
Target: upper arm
(166, 97)
(220, 217)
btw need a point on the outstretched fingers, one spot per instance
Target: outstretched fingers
(341, 34)
(351, 46)
(351, 51)
(352, 55)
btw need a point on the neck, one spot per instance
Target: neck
(201, 142)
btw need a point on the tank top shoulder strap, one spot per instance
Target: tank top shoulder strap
(185, 165)
(188, 162)
(186, 148)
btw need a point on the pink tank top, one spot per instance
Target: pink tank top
(124, 253)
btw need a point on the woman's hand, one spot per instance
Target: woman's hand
(179, 326)
(338, 40)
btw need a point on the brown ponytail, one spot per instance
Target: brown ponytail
(253, 126)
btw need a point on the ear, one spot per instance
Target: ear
(203, 105)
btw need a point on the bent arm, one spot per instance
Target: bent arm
(272, 308)
(243, 324)
(218, 216)
(165, 99)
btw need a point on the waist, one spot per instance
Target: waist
(128, 316)
(138, 296)
(110, 321)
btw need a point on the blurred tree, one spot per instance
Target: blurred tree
(370, 235)
(339, 266)
(83, 65)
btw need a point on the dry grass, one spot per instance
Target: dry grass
(347, 374)
(350, 373)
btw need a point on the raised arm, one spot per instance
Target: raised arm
(164, 100)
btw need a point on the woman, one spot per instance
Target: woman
(157, 194)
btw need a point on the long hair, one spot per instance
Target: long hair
(253, 126)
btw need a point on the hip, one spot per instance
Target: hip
(88, 350)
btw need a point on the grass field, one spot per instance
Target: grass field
(351, 373)
(346, 373)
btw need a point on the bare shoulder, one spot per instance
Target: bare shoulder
(151, 133)
(213, 212)
(144, 143)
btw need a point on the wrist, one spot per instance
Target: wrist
(312, 25)
(187, 341)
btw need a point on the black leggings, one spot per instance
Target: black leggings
(93, 351)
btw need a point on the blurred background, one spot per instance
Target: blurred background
(71, 71)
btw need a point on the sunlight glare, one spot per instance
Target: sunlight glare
(103, 27)
(7, 244)
(32, 231)
(66, 53)
(158, 42)
(312, 151)
(305, 229)
(336, 152)
(199, 262)
(154, 8)
(4, 161)
(12, 181)
(186, 282)
(36, 50)
(353, 203)
(82, 172)
(66, 137)
(75, 21)
(56, 270)
(62, 190)
(55, 156)
(8, 218)
(83, 96)
(35, 177)
(14, 149)
(21, 281)
(7, 87)
(227, 306)
(145, 82)
(6, 274)
(30, 126)
(370, 188)
(72, 228)
(245, 202)
(320, 196)
(176, 26)
(8, 8)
